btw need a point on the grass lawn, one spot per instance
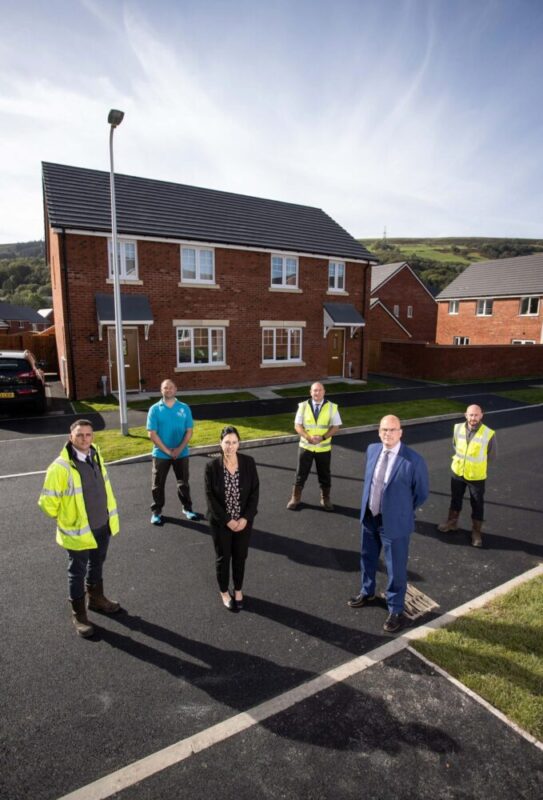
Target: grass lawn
(115, 446)
(332, 388)
(524, 395)
(110, 403)
(497, 651)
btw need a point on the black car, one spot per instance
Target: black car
(21, 380)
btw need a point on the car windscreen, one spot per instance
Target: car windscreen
(9, 366)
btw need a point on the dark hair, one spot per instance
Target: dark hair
(78, 422)
(229, 429)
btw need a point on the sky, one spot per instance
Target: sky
(421, 117)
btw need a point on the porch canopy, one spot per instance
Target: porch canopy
(135, 310)
(342, 315)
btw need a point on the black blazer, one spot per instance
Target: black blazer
(248, 490)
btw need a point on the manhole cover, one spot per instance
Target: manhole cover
(416, 602)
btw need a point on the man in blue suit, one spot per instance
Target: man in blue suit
(395, 484)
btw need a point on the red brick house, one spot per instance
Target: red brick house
(493, 302)
(218, 290)
(17, 319)
(401, 305)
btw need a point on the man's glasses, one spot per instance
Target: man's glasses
(388, 430)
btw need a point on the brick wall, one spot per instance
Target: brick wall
(501, 327)
(404, 289)
(243, 297)
(382, 327)
(440, 362)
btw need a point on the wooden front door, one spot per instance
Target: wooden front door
(336, 344)
(131, 359)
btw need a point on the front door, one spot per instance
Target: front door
(131, 359)
(336, 343)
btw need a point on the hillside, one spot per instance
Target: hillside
(24, 275)
(438, 261)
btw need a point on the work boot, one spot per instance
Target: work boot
(451, 524)
(79, 618)
(476, 531)
(295, 498)
(325, 499)
(99, 602)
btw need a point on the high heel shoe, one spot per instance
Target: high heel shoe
(229, 604)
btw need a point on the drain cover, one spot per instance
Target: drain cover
(417, 603)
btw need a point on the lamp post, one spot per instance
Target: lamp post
(114, 119)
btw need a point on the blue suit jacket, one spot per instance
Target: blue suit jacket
(407, 488)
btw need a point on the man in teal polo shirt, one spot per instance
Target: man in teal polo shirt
(170, 426)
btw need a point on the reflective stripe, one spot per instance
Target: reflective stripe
(51, 493)
(75, 531)
(113, 513)
(69, 492)
(480, 440)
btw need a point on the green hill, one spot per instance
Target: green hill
(24, 275)
(438, 261)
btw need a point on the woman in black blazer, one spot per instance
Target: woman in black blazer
(231, 483)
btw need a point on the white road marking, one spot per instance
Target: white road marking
(156, 762)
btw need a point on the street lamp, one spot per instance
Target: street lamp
(114, 119)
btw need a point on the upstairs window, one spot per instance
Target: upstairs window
(410, 312)
(460, 339)
(284, 272)
(529, 306)
(197, 265)
(396, 310)
(453, 306)
(127, 257)
(484, 308)
(336, 276)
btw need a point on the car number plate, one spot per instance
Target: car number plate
(7, 394)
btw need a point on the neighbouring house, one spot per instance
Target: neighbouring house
(493, 302)
(47, 314)
(17, 319)
(218, 290)
(401, 305)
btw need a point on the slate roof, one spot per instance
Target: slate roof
(25, 313)
(344, 314)
(380, 273)
(135, 308)
(505, 277)
(78, 198)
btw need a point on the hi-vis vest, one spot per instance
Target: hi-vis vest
(318, 428)
(62, 499)
(470, 460)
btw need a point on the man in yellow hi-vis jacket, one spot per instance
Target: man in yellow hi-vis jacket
(317, 420)
(474, 445)
(77, 493)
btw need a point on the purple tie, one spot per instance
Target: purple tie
(379, 484)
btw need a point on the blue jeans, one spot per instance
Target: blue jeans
(85, 566)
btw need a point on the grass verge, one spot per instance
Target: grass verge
(332, 388)
(523, 395)
(497, 651)
(110, 403)
(115, 446)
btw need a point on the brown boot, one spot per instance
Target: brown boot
(295, 498)
(451, 524)
(476, 531)
(79, 618)
(325, 499)
(98, 601)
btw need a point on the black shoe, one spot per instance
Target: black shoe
(394, 622)
(238, 604)
(360, 600)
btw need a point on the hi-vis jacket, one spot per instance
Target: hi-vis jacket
(470, 461)
(62, 499)
(319, 427)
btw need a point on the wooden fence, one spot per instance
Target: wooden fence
(43, 345)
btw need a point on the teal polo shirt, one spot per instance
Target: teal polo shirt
(171, 425)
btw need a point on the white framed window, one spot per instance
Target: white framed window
(200, 346)
(453, 306)
(522, 341)
(484, 308)
(281, 344)
(197, 265)
(284, 271)
(529, 306)
(410, 312)
(396, 310)
(460, 339)
(336, 276)
(127, 255)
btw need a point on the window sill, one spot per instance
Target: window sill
(126, 281)
(290, 289)
(275, 364)
(197, 285)
(341, 292)
(201, 367)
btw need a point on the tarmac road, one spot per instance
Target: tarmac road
(176, 662)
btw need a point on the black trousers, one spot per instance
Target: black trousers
(161, 467)
(322, 462)
(230, 547)
(476, 496)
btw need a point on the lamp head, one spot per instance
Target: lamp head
(115, 117)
